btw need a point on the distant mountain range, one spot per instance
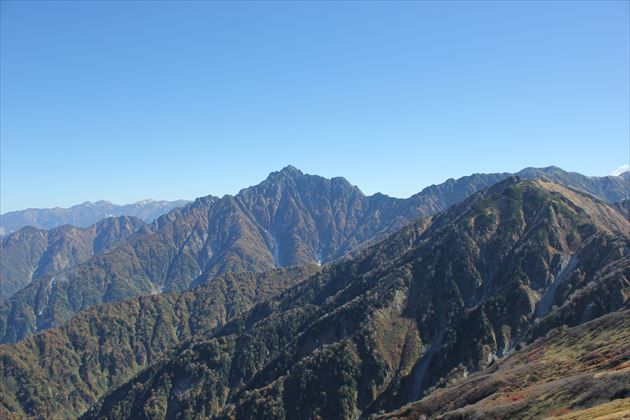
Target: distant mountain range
(289, 219)
(84, 215)
(440, 298)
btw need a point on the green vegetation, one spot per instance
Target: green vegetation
(62, 371)
(288, 219)
(458, 297)
(436, 301)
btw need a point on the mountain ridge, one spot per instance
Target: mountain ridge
(14, 220)
(441, 297)
(290, 218)
(421, 308)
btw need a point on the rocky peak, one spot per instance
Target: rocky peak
(291, 170)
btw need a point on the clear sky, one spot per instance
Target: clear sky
(129, 100)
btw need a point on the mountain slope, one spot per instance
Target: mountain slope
(32, 253)
(570, 372)
(420, 309)
(84, 215)
(288, 219)
(105, 345)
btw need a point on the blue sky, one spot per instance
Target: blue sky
(124, 101)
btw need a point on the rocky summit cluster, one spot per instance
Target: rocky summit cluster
(490, 296)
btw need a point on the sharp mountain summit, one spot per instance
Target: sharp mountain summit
(301, 297)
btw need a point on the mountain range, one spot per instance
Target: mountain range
(84, 215)
(411, 316)
(290, 218)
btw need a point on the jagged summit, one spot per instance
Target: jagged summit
(288, 171)
(292, 173)
(291, 170)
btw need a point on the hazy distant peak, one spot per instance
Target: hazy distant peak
(92, 203)
(85, 214)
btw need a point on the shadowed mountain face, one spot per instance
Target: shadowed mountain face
(33, 253)
(289, 219)
(84, 215)
(427, 306)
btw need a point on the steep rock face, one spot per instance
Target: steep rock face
(289, 219)
(422, 308)
(59, 373)
(581, 372)
(84, 215)
(313, 219)
(33, 253)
